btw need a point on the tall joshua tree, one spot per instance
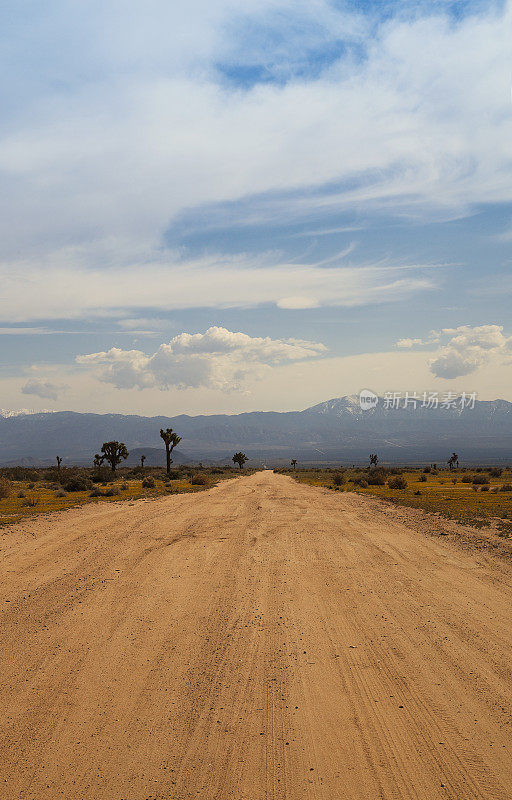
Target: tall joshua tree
(294, 462)
(171, 439)
(240, 459)
(113, 453)
(59, 462)
(374, 459)
(453, 460)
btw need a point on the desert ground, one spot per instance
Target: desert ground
(264, 639)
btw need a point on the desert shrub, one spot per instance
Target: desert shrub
(31, 501)
(124, 487)
(480, 480)
(485, 488)
(216, 471)
(397, 483)
(507, 487)
(77, 484)
(423, 478)
(199, 480)
(31, 485)
(376, 477)
(427, 469)
(5, 488)
(467, 479)
(395, 471)
(362, 482)
(61, 493)
(338, 479)
(417, 492)
(454, 481)
(21, 494)
(148, 483)
(112, 491)
(434, 472)
(19, 474)
(479, 469)
(96, 493)
(495, 472)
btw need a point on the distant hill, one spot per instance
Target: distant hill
(336, 431)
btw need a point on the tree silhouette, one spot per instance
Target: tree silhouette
(59, 462)
(294, 462)
(113, 453)
(240, 459)
(374, 459)
(142, 460)
(453, 460)
(171, 439)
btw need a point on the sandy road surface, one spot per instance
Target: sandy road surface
(262, 640)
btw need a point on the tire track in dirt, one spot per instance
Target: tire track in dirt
(263, 640)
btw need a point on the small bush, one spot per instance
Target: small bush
(507, 487)
(21, 494)
(467, 479)
(96, 493)
(5, 488)
(485, 488)
(338, 479)
(427, 469)
(376, 477)
(423, 478)
(397, 483)
(113, 491)
(361, 482)
(174, 474)
(148, 483)
(454, 481)
(495, 472)
(199, 480)
(480, 480)
(31, 501)
(78, 484)
(61, 493)
(417, 492)
(124, 487)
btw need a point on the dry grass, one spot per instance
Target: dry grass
(478, 505)
(27, 498)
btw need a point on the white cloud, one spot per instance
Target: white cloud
(108, 161)
(408, 343)
(43, 388)
(218, 359)
(71, 290)
(464, 349)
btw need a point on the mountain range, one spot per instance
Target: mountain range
(336, 431)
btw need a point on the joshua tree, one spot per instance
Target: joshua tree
(374, 459)
(112, 453)
(59, 462)
(142, 460)
(171, 439)
(240, 459)
(294, 462)
(453, 460)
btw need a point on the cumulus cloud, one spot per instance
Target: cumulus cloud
(43, 388)
(218, 359)
(464, 349)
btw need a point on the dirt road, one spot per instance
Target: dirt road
(261, 640)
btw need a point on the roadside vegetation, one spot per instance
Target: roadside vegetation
(26, 491)
(473, 495)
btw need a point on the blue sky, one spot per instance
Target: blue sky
(319, 192)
